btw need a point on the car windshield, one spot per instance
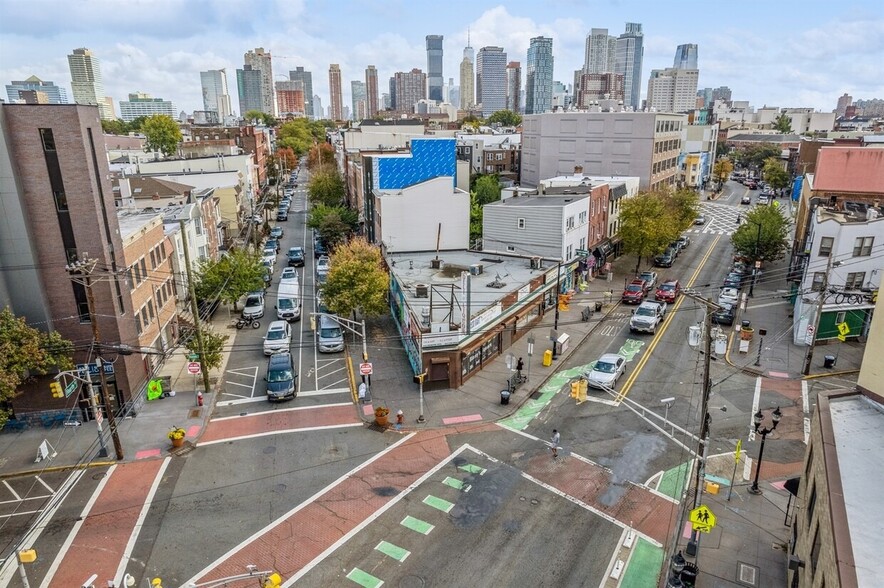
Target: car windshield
(605, 367)
(279, 376)
(276, 335)
(253, 301)
(668, 287)
(644, 312)
(286, 304)
(330, 333)
(633, 288)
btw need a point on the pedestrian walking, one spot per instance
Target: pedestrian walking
(519, 366)
(555, 443)
(400, 419)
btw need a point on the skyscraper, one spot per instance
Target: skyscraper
(86, 81)
(685, 57)
(290, 98)
(336, 99)
(371, 91)
(467, 89)
(216, 96)
(318, 112)
(434, 67)
(601, 49)
(491, 79)
(628, 62)
(539, 77)
(357, 95)
(409, 88)
(261, 61)
(250, 88)
(673, 90)
(305, 77)
(142, 104)
(513, 86)
(54, 94)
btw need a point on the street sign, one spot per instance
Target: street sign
(93, 369)
(365, 369)
(841, 337)
(582, 252)
(69, 389)
(99, 416)
(843, 329)
(193, 356)
(193, 367)
(702, 519)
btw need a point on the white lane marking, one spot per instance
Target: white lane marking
(325, 391)
(237, 384)
(279, 432)
(69, 540)
(254, 414)
(248, 372)
(805, 406)
(13, 492)
(45, 485)
(755, 401)
(340, 369)
(777, 303)
(242, 400)
(18, 514)
(336, 382)
(136, 530)
(374, 516)
(297, 508)
(44, 497)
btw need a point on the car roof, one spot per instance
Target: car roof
(610, 357)
(276, 325)
(281, 359)
(673, 282)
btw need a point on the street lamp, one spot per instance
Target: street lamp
(755, 258)
(764, 433)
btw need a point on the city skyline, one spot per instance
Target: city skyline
(151, 49)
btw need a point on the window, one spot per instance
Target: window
(855, 280)
(569, 252)
(150, 309)
(863, 246)
(61, 200)
(582, 218)
(811, 504)
(819, 279)
(839, 317)
(815, 551)
(143, 269)
(826, 246)
(520, 223)
(510, 248)
(153, 259)
(138, 323)
(163, 245)
(569, 223)
(48, 139)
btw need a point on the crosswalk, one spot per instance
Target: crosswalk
(721, 219)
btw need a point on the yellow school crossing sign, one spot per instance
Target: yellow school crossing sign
(702, 519)
(843, 331)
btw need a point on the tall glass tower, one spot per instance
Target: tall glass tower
(628, 63)
(685, 57)
(435, 80)
(491, 80)
(539, 77)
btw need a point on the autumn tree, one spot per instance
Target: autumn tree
(230, 278)
(722, 170)
(357, 280)
(287, 157)
(26, 352)
(764, 235)
(321, 157)
(682, 207)
(646, 227)
(326, 187)
(161, 133)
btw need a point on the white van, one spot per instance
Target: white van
(288, 300)
(329, 336)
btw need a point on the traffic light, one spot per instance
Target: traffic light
(56, 389)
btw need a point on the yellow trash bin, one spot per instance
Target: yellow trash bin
(712, 487)
(547, 358)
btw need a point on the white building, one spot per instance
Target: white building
(423, 217)
(673, 90)
(142, 104)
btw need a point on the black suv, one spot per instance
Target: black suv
(281, 378)
(295, 256)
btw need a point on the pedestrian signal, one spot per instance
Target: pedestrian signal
(56, 389)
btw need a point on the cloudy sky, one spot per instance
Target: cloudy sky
(802, 53)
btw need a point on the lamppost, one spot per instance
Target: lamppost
(755, 258)
(775, 416)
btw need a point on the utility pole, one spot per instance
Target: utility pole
(820, 301)
(194, 309)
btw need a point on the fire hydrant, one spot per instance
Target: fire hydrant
(199, 398)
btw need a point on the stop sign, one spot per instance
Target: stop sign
(193, 367)
(365, 369)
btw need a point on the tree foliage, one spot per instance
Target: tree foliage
(326, 187)
(783, 124)
(357, 280)
(476, 218)
(321, 157)
(505, 118)
(300, 135)
(162, 134)
(487, 189)
(229, 278)
(287, 157)
(647, 225)
(721, 171)
(774, 174)
(333, 223)
(682, 207)
(766, 228)
(755, 155)
(213, 347)
(257, 117)
(121, 127)
(24, 352)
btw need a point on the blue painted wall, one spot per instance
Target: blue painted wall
(430, 158)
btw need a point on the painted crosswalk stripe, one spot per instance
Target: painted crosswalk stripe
(473, 469)
(438, 503)
(394, 551)
(364, 579)
(455, 483)
(418, 525)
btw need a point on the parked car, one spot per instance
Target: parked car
(289, 273)
(728, 296)
(675, 247)
(278, 337)
(329, 336)
(276, 233)
(281, 378)
(647, 317)
(684, 241)
(733, 280)
(663, 260)
(650, 279)
(763, 200)
(606, 371)
(668, 291)
(254, 307)
(295, 256)
(319, 248)
(322, 265)
(282, 214)
(634, 293)
(700, 220)
(752, 185)
(725, 316)
(272, 243)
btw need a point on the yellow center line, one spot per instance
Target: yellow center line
(624, 390)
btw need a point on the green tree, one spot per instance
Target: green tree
(476, 217)
(682, 207)
(764, 235)
(721, 171)
(783, 124)
(774, 174)
(213, 346)
(297, 135)
(25, 352)
(257, 117)
(356, 280)
(114, 127)
(333, 223)
(134, 126)
(645, 226)
(326, 187)
(506, 118)
(162, 134)
(231, 277)
(487, 189)
(756, 155)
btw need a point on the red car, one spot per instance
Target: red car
(634, 292)
(668, 291)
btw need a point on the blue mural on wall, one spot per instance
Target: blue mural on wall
(429, 158)
(796, 188)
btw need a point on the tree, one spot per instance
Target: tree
(287, 157)
(326, 187)
(113, 127)
(682, 207)
(783, 124)
(476, 217)
(756, 155)
(162, 134)
(213, 347)
(721, 171)
(775, 175)
(321, 157)
(24, 352)
(645, 226)
(257, 117)
(764, 235)
(487, 189)
(356, 280)
(333, 223)
(297, 135)
(231, 277)
(505, 118)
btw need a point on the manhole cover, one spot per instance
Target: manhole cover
(412, 582)
(270, 449)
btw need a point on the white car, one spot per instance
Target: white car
(289, 273)
(606, 371)
(278, 337)
(254, 306)
(323, 264)
(728, 296)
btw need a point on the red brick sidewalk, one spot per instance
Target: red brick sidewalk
(280, 421)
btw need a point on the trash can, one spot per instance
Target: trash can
(746, 324)
(598, 306)
(829, 361)
(504, 396)
(547, 358)
(689, 574)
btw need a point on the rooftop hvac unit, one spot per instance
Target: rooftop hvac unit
(476, 269)
(425, 316)
(421, 291)
(436, 263)
(536, 263)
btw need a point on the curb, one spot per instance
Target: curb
(745, 369)
(61, 468)
(829, 375)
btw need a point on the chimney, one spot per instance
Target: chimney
(578, 169)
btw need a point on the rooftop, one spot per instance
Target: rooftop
(765, 138)
(133, 221)
(850, 169)
(546, 200)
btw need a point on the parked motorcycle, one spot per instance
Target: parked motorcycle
(243, 322)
